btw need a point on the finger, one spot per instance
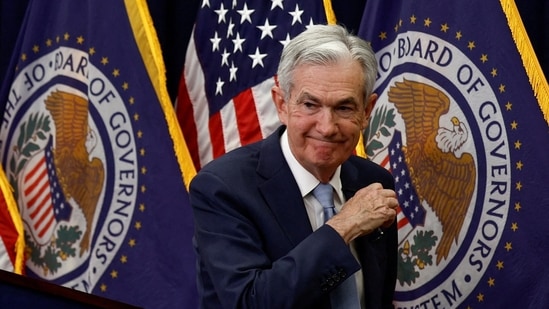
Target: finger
(370, 191)
(373, 187)
(391, 214)
(392, 202)
(388, 223)
(388, 193)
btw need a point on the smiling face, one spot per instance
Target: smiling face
(325, 114)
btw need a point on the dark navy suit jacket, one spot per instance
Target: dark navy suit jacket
(256, 248)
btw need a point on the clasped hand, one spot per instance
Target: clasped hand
(370, 208)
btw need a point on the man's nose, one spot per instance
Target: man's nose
(327, 122)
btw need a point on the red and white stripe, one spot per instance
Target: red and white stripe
(37, 200)
(248, 117)
(404, 226)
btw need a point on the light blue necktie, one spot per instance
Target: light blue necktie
(345, 295)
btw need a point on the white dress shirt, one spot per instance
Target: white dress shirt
(306, 183)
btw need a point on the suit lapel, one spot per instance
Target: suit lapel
(280, 190)
(349, 179)
(369, 246)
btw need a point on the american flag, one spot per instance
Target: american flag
(224, 98)
(411, 212)
(12, 242)
(44, 201)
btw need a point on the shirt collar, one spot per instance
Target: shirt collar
(305, 180)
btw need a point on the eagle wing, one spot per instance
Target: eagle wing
(79, 177)
(70, 115)
(420, 106)
(443, 180)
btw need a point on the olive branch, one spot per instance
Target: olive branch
(380, 125)
(61, 247)
(29, 134)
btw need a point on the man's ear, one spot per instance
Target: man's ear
(280, 104)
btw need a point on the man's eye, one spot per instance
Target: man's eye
(344, 108)
(345, 111)
(310, 105)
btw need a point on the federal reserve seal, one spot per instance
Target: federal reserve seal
(70, 153)
(439, 128)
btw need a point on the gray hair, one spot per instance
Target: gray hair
(324, 45)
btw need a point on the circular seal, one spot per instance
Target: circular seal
(437, 126)
(70, 152)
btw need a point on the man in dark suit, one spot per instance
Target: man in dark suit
(261, 237)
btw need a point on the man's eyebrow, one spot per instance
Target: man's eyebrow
(305, 96)
(347, 100)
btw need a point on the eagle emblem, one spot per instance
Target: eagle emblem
(442, 177)
(81, 177)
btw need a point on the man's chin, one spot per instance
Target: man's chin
(326, 161)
